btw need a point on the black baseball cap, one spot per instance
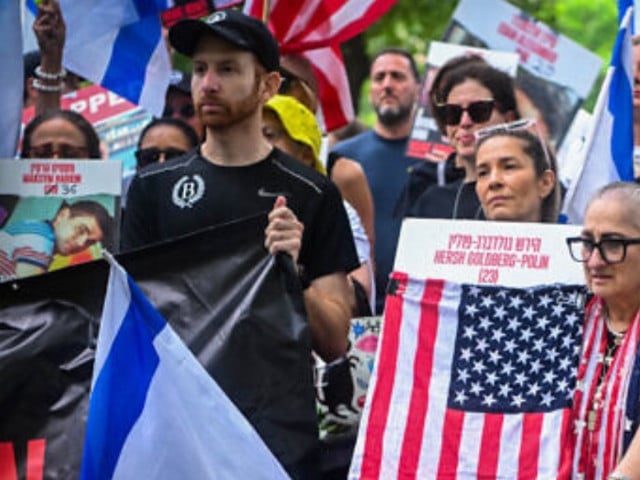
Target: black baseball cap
(180, 81)
(243, 31)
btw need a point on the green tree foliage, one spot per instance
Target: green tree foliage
(414, 23)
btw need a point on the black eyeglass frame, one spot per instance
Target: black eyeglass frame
(592, 246)
(451, 113)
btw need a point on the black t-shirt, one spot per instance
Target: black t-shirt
(454, 200)
(190, 193)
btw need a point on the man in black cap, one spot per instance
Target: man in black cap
(236, 173)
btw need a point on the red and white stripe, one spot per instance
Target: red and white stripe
(407, 431)
(597, 452)
(315, 29)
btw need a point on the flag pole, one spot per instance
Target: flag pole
(265, 11)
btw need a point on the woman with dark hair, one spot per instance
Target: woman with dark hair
(470, 95)
(60, 134)
(516, 174)
(163, 139)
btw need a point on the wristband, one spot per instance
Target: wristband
(50, 76)
(41, 87)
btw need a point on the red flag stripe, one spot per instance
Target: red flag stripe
(255, 8)
(566, 455)
(293, 25)
(35, 459)
(335, 25)
(347, 22)
(8, 469)
(333, 85)
(530, 446)
(422, 370)
(315, 24)
(586, 371)
(386, 368)
(450, 448)
(490, 444)
(612, 433)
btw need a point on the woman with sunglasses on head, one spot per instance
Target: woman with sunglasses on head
(516, 174)
(605, 407)
(60, 134)
(163, 139)
(469, 96)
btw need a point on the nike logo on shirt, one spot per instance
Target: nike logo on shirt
(262, 192)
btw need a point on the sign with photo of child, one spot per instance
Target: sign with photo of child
(56, 213)
(547, 85)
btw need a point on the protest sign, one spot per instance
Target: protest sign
(548, 87)
(476, 363)
(495, 253)
(117, 121)
(56, 213)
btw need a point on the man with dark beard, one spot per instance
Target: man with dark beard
(395, 85)
(236, 173)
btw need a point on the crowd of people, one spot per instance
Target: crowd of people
(252, 144)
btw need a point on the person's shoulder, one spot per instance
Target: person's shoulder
(435, 201)
(347, 170)
(355, 142)
(297, 173)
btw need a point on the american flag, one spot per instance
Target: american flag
(472, 382)
(315, 29)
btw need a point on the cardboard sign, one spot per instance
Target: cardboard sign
(484, 252)
(549, 87)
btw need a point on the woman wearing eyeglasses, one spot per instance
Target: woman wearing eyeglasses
(60, 134)
(470, 96)
(607, 401)
(516, 174)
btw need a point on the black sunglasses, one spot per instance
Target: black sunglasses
(479, 111)
(147, 156)
(185, 111)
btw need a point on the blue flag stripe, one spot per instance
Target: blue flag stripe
(131, 53)
(621, 108)
(121, 388)
(147, 7)
(623, 5)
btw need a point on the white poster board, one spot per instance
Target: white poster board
(484, 252)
